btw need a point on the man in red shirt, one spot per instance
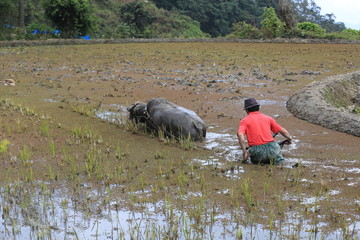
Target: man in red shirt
(258, 129)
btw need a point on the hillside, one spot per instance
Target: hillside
(163, 19)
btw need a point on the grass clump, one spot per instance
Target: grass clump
(3, 145)
(86, 134)
(338, 94)
(88, 110)
(44, 128)
(357, 110)
(186, 143)
(25, 154)
(52, 147)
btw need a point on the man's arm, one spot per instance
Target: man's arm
(243, 145)
(286, 135)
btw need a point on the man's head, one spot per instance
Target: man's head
(251, 105)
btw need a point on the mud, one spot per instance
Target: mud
(318, 182)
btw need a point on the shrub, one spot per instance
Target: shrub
(9, 32)
(40, 30)
(311, 30)
(244, 30)
(350, 34)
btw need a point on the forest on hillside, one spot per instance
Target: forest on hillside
(33, 19)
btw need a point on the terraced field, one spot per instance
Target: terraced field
(75, 168)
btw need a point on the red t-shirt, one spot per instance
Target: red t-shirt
(258, 128)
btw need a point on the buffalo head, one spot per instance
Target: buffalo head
(137, 112)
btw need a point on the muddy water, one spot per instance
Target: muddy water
(212, 79)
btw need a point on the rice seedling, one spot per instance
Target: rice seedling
(78, 132)
(9, 130)
(280, 205)
(131, 126)
(70, 160)
(51, 173)
(239, 234)
(186, 143)
(88, 110)
(246, 191)
(159, 155)
(92, 165)
(25, 155)
(44, 128)
(52, 147)
(182, 181)
(24, 110)
(267, 185)
(271, 221)
(83, 134)
(142, 182)
(19, 127)
(28, 174)
(119, 153)
(161, 135)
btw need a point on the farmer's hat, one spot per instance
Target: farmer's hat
(250, 102)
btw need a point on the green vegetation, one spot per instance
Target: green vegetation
(338, 94)
(271, 25)
(71, 17)
(44, 128)
(25, 155)
(85, 109)
(244, 30)
(52, 147)
(357, 110)
(218, 17)
(3, 145)
(39, 19)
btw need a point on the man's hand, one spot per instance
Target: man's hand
(286, 135)
(244, 146)
(245, 156)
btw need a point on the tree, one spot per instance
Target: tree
(71, 17)
(34, 12)
(8, 12)
(21, 13)
(135, 15)
(271, 25)
(308, 11)
(216, 17)
(287, 13)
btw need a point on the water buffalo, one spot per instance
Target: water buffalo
(175, 121)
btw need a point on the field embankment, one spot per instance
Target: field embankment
(19, 43)
(331, 103)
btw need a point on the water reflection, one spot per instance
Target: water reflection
(113, 113)
(45, 211)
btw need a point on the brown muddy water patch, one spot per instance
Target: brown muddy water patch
(87, 173)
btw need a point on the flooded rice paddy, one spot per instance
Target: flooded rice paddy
(75, 168)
